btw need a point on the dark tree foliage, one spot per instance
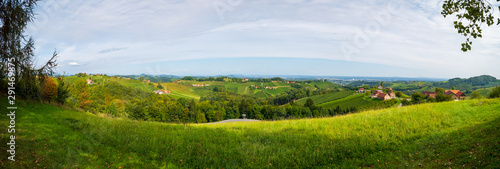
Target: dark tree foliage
(399, 94)
(439, 90)
(467, 85)
(440, 97)
(417, 98)
(471, 15)
(495, 93)
(18, 48)
(277, 79)
(62, 90)
(309, 103)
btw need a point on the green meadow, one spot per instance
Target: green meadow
(320, 99)
(440, 135)
(349, 101)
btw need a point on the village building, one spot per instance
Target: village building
(391, 94)
(375, 93)
(379, 87)
(361, 90)
(90, 82)
(455, 94)
(383, 96)
(162, 92)
(429, 94)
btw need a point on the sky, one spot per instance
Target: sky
(383, 38)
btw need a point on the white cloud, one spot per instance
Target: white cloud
(73, 63)
(415, 35)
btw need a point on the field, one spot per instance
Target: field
(443, 135)
(348, 102)
(126, 82)
(178, 90)
(484, 92)
(320, 99)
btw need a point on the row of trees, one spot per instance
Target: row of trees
(418, 98)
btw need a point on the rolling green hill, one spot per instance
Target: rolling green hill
(320, 99)
(360, 102)
(126, 82)
(444, 135)
(185, 88)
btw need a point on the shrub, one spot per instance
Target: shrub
(476, 95)
(495, 93)
(49, 89)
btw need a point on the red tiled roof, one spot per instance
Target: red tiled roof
(453, 91)
(428, 93)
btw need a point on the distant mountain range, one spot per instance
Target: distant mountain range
(308, 77)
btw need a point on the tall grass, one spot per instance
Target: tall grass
(451, 134)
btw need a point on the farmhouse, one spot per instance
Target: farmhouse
(383, 96)
(162, 92)
(391, 94)
(375, 93)
(361, 90)
(128, 78)
(90, 82)
(455, 94)
(379, 87)
(429, 94)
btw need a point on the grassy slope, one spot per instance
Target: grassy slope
(485, 92)
(130, 83)
(179, 90)
(452, 134)
(320, 99)
(349, 101)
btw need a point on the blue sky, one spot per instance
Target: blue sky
(288, 37)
